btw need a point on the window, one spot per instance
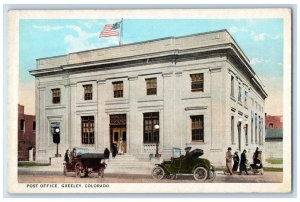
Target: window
(151, 85)
(232, 86)
(33, 125)
(240, 94)
(271, 125)
(118, 89)
(151, 135)
(246, 98)
(22, 124)
(56, 96)
(87, 129)
(197, 82)
(232, 129)
(246, 134)
(88, 92)
(251, 128)
(255, 128)
(197, 128)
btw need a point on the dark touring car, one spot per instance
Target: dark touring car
(189, 164)
(82, 161)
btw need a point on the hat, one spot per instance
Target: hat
(229, 148)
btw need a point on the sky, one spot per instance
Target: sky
(260, 39)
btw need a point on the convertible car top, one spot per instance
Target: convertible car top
(196, 153)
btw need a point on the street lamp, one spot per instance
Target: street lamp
(156, 128)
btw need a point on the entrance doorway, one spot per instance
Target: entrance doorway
(118, 133)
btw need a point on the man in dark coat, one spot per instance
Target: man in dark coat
(243, 166)
(106, 153)
(67, 158)
(114, 150)
(236, 160)
(255, 157)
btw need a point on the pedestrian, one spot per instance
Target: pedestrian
(106, 153)
(114, 150)
(243, 163)
(229, 160)
(255, 157)
(67, 158)
(236, 160)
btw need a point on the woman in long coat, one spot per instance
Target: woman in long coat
(236, 160)
(243, 163)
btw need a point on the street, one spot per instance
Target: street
(268, 177)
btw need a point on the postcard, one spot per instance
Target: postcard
(149, 101)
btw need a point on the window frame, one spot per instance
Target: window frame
(232, 86)
(240, 94)
(150, 119)
(87, 131)
(197, 79)
(151, 86)
(56, 94)
(118, 88)
(197, 125)
(87, 92)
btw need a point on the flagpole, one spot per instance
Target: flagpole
(121, 34)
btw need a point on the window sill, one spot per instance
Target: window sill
(196, 143)
(117, 101)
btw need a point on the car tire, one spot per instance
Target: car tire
(65, 171)
(158, 173)
(211, 176)
(77, 170)
(200, 174)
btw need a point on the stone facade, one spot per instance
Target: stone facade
(26, 135)
(230, 88)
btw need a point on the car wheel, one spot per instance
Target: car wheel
(65, 171)
(211, 176)
(158, 173)
(77, 170)
(200, 174)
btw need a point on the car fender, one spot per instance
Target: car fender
(163, 167)
(201, 165)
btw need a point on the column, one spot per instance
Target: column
(102, 122)
(168, 116)
(72, 114)
(134, 138)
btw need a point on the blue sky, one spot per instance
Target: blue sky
(260, 39)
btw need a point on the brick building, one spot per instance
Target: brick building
(274, 137)
(26, 135)
(273, 121)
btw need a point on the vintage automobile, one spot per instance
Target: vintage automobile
(189, 164)
(83, 161)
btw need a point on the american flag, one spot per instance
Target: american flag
(111, 30)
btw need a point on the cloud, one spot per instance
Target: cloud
(259, 37)
(255, 61)
(264, 36)
(48, 28)
(234, 29)
(82, 39)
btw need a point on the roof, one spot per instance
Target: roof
(274, 133)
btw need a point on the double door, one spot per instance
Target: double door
(119, 138)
